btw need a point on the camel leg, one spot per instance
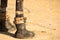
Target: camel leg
(21, 32)
(3, 6)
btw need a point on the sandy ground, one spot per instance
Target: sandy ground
(43, 18)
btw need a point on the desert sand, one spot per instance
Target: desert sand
(43, 18)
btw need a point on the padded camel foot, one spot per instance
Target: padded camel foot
(24, 34)
(2, 26)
